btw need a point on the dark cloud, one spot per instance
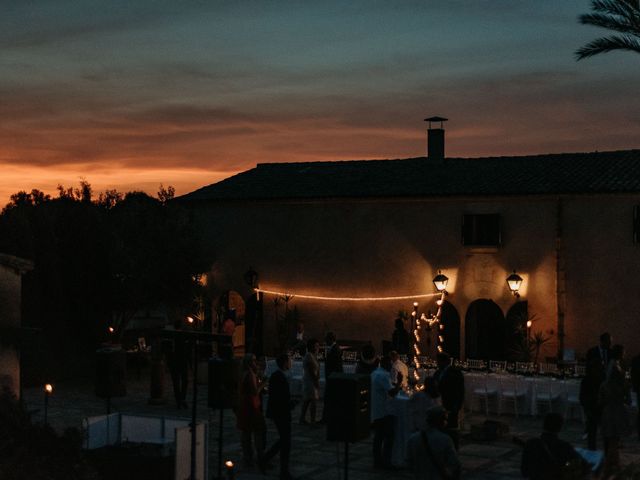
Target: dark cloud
(37, 23)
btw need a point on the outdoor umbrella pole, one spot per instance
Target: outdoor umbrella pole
(194, 410)
(220, 445)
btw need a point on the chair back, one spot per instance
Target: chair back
(475, 364)
(524, 367)
(548, 368)
(350, 356)
(498, 365)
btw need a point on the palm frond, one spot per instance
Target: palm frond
(609, 22)
(622, 8)
(607, 44)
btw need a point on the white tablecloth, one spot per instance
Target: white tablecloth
(531, 387)
(405, 425)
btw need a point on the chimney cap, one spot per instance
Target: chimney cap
(435, 119)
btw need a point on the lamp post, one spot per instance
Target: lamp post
(48, 390)
(514, 281)
(440, 281)
(529, 323)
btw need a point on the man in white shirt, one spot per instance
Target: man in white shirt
(398, 366)
(382, 390)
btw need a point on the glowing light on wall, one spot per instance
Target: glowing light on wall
(344, 299)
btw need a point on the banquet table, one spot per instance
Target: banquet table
(408, 417)
(560, 390)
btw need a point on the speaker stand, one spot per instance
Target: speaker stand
(220, 440)
(346, 460)
(194, 410)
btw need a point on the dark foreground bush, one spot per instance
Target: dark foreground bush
(30, 451)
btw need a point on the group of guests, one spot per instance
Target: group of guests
(432, 448)
(605, 396)
(249, 413)
(437, 407)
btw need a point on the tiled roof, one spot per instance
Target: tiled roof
(569, 173)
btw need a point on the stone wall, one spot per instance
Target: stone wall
(10, 294)
(375, 248)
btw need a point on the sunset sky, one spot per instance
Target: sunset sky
(131, 94)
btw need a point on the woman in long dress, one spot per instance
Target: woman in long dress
(249, 417)
(310, 381)
(615, 421)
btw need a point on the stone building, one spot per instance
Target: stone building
(11, 271)
(568, 224)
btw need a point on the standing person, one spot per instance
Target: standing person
(548, 457)
(589, 394)
(298, 337)
(382, 390)
(421, 402)
(368, 361)
(450, 383)
(333, 356)
(602, 351)
(178, 363)
(332, 361)
(249, 418)
(398, 366)
(615, 421)
(400, 338)
(310, 381)
(279, 409)
(635, 385)
(430, 452)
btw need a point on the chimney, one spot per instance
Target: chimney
(435, 139)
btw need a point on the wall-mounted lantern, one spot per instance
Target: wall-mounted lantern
(514, 281)
(440, 281)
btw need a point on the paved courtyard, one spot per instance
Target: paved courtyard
(313, 458)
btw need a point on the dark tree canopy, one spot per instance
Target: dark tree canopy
(98, 261)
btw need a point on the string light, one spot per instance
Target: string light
(430, 321)
(344, 299)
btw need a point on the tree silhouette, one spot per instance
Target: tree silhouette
(621, 16)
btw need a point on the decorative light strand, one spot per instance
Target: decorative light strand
(430, 321)
(343, 299)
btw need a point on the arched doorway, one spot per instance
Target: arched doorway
(516, 324)
(450, 332)
(485, 331)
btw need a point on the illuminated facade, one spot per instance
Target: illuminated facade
(568, 224)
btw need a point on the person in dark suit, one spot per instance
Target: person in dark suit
(450, 383)
(178, 363)
(589, 390)
(279, 409)
(333, 356)
(602, 352)
(400, 338)
(332, 361)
